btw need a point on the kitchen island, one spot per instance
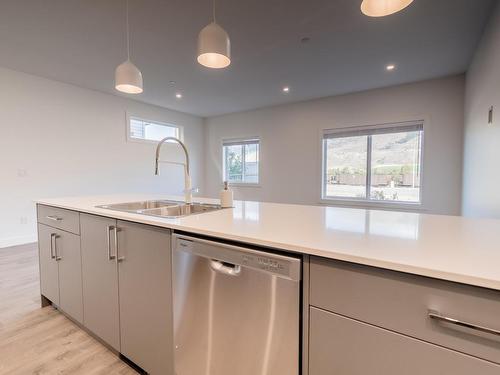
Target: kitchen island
(426, 287)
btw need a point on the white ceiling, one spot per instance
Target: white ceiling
(82, 41)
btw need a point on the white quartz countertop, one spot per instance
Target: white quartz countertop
(445, 247)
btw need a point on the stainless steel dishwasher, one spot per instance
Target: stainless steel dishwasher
(236, 310)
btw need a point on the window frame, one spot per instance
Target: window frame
(180, 129)
(369, 202)
(235, 141)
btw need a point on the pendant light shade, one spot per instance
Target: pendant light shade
(214, 47)
(128, 78)
(380, 8)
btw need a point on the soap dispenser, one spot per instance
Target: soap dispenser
(226, 196)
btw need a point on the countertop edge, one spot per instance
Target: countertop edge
(332, 254)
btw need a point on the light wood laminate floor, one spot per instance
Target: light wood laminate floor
(35, 340)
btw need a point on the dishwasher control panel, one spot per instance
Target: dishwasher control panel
(280, 265)
(265, 263)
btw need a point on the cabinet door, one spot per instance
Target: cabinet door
(49, 274)
(68, 256)
(100, 278)
(145, 297)
(339, 345)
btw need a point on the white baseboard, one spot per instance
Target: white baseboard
(14, 241)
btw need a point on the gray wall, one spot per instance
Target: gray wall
(60, 140)
(290, 140)
(481, 195)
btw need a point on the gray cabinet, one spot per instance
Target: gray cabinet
(340, 345)
(369, 320)
(401, 302)
(49, 269)
(144, 275)
(67, 249)
(60, 270)
(127, 289)
(100, 278)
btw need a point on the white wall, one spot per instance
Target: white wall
(290, 140)
(60, 140)
(481, 195)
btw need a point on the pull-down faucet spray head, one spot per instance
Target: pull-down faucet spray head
(157, 169)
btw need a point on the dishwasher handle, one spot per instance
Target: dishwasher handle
(225, 268)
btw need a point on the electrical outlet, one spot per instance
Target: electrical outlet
(22, 173)
(24, 220)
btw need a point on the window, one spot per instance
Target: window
(241, 161)
(144, 130)
(375, 163)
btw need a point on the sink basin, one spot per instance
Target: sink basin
(139, 206)
(168, 209)
(182, 209)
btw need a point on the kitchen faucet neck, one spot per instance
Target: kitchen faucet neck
(158, 148)
(188, 190)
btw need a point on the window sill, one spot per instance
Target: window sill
(383, 205)
(244, 184)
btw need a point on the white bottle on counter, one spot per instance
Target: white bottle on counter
(226, 196)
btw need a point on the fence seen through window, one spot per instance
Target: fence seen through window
(378, 163)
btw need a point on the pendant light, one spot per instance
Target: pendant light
(381, 8)
(128, 78)
(214, 46)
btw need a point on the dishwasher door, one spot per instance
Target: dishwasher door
(236, 310)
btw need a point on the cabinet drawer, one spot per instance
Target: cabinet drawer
(59, 218)
(401, 302)
(340, 345)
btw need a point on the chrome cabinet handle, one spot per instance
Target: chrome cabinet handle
(117, 257)
(109, 228)
(445, 319)
(52, 241)
(53, 218)
(56, 255)
(225, 268)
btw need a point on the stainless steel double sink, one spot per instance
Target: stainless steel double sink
(163, 208)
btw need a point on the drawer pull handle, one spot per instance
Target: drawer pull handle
(439, 317)
(53, 218)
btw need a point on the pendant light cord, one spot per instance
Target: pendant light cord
(213, 10)
(128, 35)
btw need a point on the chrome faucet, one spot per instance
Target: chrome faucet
(188, 191)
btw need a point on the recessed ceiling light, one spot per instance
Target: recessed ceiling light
(178, 95)
(390, 67)
(286, 89)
